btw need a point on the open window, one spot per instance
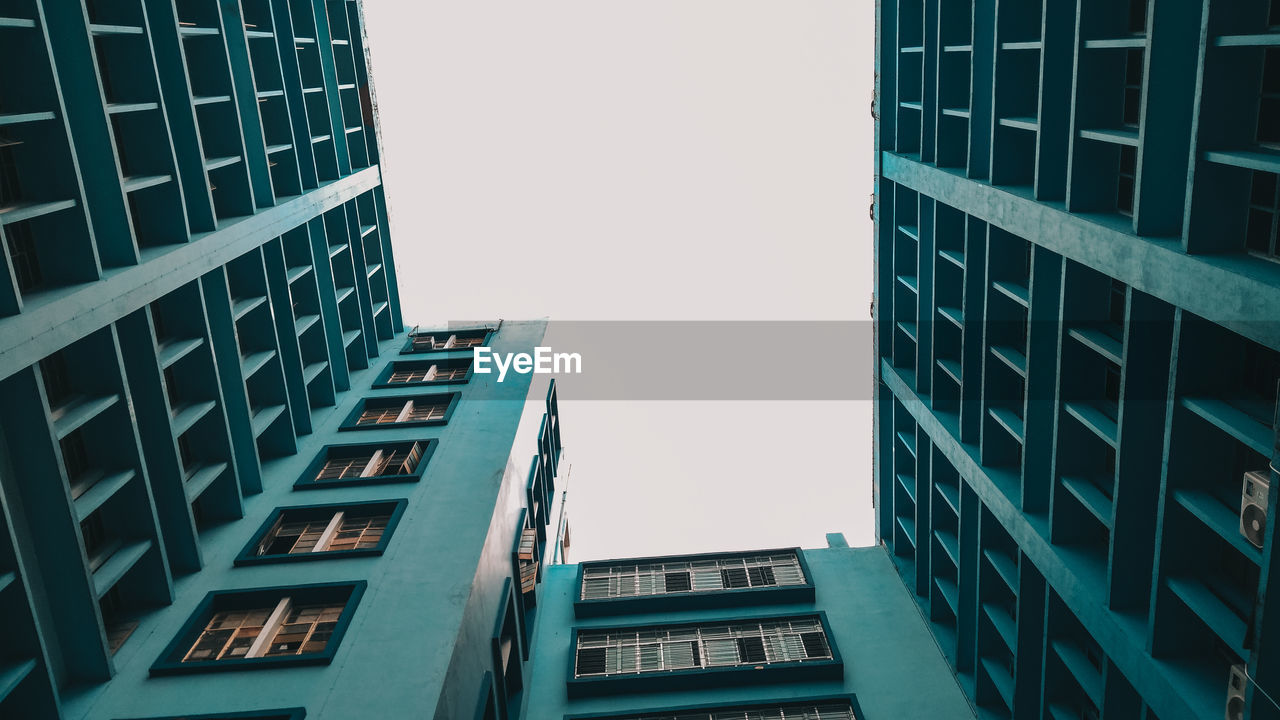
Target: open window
(409, 411)
(367, 464)
(446, 340)
(319, 532)
(686, 581)
(263, 627)
(407, 373)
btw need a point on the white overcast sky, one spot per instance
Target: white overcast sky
(648, 160)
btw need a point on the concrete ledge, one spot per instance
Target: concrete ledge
(75, 312)
(1236, 291)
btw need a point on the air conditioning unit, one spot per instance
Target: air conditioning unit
(1235, 692)
(1253, 506)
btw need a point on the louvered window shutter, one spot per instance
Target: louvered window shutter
(680, 654)
(595, 588)
(528, 576)
(815, 645)
(411, 462)
(528, 540)
(591, 661)
(623, 659)
(734, 577)
(786, 570)
(677, 582)
(721, 651)
(627, 584)
(650, 657)
(751, 650)
(791, 648)
(706, 576)
(646, 583)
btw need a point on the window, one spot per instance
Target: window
(171, 390)
(547, 449)
(409, 412)
(408, 376)
(419, 410)
(263, 627)
(57, 386)
(553, 420)
(527, 553)
(10, 186)
(1132, 111)
(1268, 133)
(440, 341)
(381, 462)
(683, 576)
(417, 372)
(1125, 179)
(186, 455)
(76, 459)
(117, 625)
(320, 531)
(1117, 303)
(1137, 16)
(1261, 378)
(486, 708)
(658, 649)
(507, 653)
(367, 464)
(286, 629)
(99, 543)
(23, 257)
(157, 322)
(824, 710)
(1264, 216)
(1111, 390)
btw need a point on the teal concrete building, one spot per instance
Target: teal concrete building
(231, 483)
(1078, 347)
(784, 634)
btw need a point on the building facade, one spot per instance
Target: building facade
(792, 634)
(1078, 324)
(231, 484)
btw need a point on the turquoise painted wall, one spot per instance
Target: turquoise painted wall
(891, 661)
(1077, 353)
(432, 599)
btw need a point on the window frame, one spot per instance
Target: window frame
(553, 420)
(170, 660)
(547, 452)
(850, 698)
(383, 381)
(349, 423)
(697, 677)
(487, 700)
(538, 499)
(247, 556)
(308, 481)
(508, 612)
(526, 603)
(691, 599)
(1271, 208)
(409, 349)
